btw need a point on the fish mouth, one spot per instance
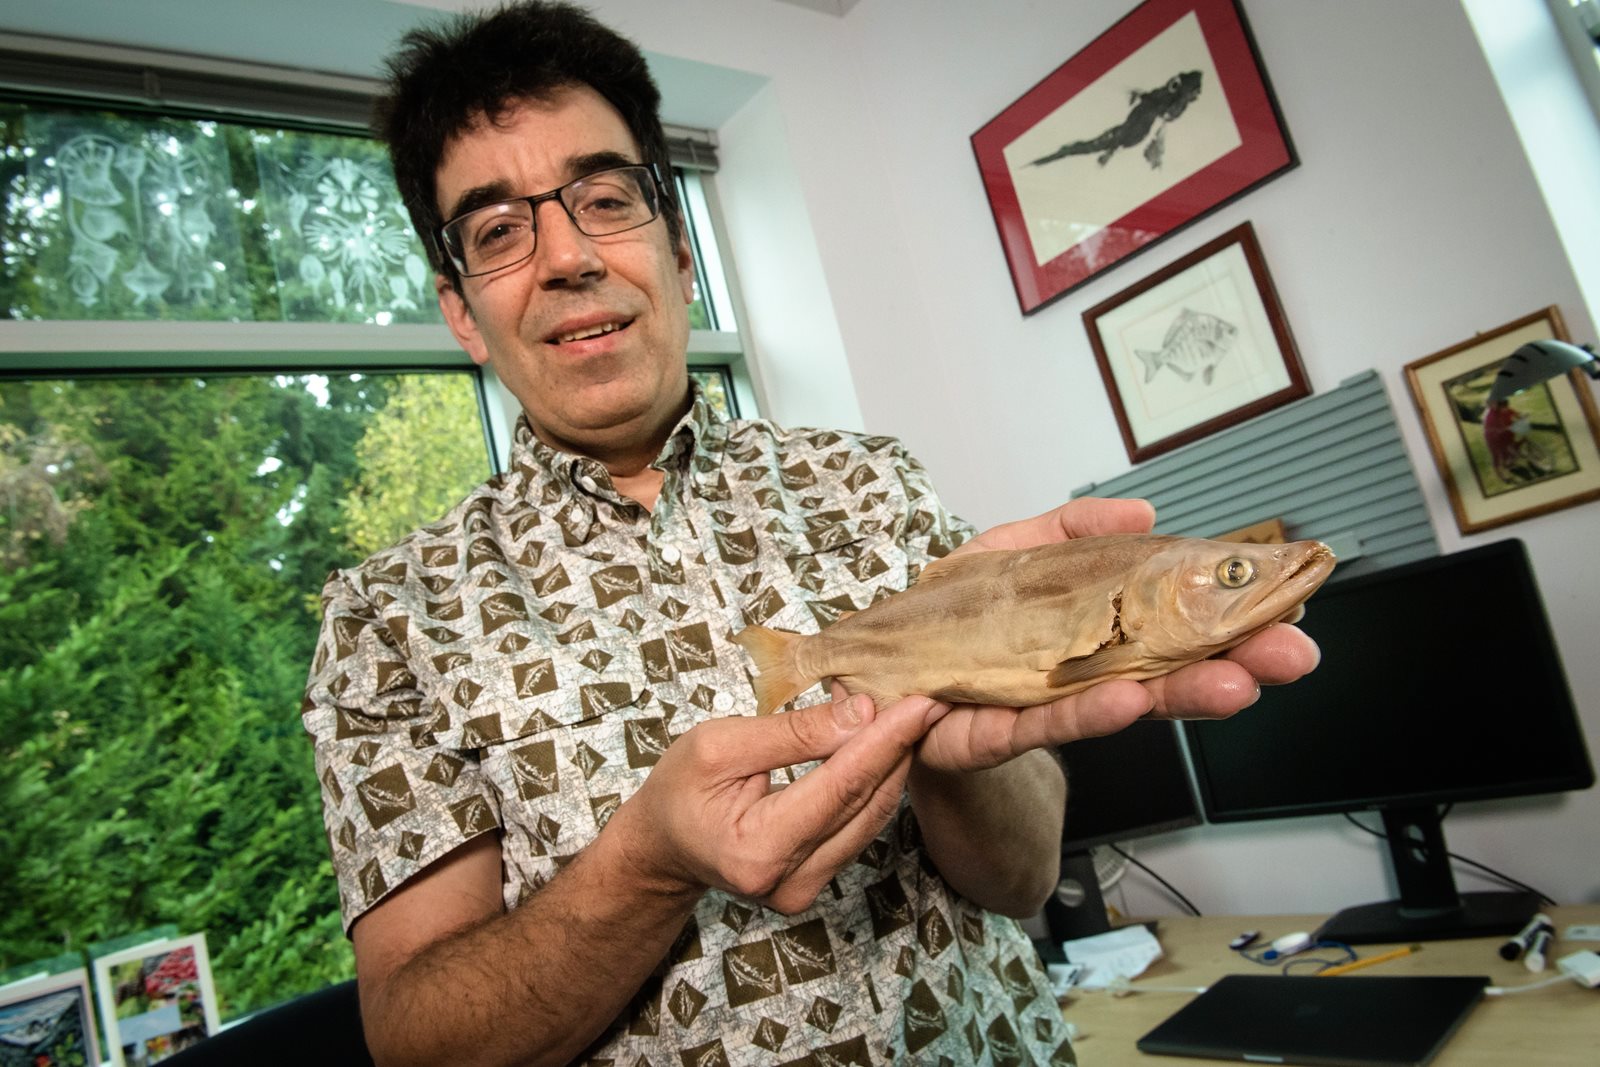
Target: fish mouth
(1307, 565)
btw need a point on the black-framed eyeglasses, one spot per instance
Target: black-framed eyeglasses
(503, 234)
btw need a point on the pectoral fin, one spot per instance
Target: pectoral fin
(1103, 664)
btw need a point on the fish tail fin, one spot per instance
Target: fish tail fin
(779, 679)
(1152, 362)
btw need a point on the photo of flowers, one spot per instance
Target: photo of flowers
(156, 999)
(48, 1021)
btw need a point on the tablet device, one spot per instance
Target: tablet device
(1344, 1021)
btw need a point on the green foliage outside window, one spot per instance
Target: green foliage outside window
(158, 542)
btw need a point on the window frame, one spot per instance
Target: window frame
(80, 73)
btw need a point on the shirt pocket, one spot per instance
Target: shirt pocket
(832, 566)
(559, 745)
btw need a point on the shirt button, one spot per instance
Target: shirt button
(722, 702)
(670, 554)
(587, 484)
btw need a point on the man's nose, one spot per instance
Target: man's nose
(563, 255)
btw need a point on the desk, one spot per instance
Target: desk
(1558, 1026)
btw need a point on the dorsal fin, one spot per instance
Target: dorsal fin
(949, 566)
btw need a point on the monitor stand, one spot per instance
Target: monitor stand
(1429, 908)
(1076, 908)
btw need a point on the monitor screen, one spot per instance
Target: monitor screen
(1440, 681)
(1127, 785)
(1131, 784)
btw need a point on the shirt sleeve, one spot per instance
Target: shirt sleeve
(931, 530)
(393, 799)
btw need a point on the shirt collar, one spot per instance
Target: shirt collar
(695, 445)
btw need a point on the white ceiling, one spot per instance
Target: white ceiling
(831, 7)
(349, 37)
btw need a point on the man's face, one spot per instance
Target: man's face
(590, 334)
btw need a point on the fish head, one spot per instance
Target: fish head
(1209, 595)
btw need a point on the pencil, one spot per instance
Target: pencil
(1355, 965)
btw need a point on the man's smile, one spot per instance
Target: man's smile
(584, 333)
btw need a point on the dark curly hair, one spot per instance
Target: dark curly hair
(443, 78)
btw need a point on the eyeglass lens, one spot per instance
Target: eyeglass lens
(498, 235)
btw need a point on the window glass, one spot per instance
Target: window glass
(162, 544)
(342, 245)
(131, 216)
(718, 389)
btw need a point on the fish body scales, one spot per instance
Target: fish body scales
(1022, 627)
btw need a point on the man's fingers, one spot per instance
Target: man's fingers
(1083, 517)
(974, 737)
(827, 797)
(1278, 655)
(847, 842)
(767, 742)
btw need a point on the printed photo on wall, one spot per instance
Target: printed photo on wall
(1158, 121)
(1197, 347)
(156, 999)
(48, 1021)
(1537, 451)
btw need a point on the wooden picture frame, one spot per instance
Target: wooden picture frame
(1197, 347)
(1157, 122)
(1539, 455)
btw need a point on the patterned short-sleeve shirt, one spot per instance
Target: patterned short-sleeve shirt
(519, 667)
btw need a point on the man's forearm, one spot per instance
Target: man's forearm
(538, 984)
(995, 834)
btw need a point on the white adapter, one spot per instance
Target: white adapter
(1584, 966)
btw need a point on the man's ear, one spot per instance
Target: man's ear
(458, 316)
(685, 268)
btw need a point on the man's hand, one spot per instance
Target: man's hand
(988, 795)
(975, 737)
(709, 817)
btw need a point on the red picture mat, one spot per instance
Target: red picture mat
(1265, 151)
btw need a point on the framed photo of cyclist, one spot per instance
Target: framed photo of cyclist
(1535, 453)
(1157, 122)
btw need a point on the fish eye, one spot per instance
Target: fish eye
(1235, 572)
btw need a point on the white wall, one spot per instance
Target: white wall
(879, 297)
(1413, 221)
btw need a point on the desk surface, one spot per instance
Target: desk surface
(1558, 1026)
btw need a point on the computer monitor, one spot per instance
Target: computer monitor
(1128, 785)
(1440, 682)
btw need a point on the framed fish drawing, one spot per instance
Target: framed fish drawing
(1160, 120)
(1533, 453)
(1197, 347)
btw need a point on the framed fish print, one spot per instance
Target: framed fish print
(156, 999)
(1196, 347)
(1537, 452)
(1158, 121)
(48, 1021)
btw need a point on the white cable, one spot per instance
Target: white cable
(1121, 987)
(1501, 991)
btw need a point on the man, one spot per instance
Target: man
(561, 834)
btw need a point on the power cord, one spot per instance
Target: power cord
(1168, 886)
(1501, 875)
(1122, 987)
(1505, 991)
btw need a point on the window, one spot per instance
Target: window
(224, 375)
(162, 543)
